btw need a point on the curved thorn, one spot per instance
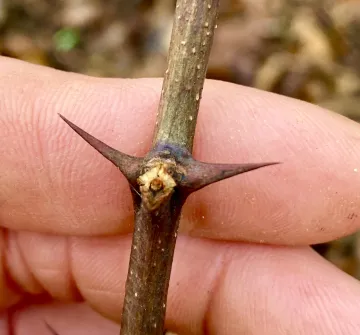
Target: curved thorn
(202, 174)
(127, 164)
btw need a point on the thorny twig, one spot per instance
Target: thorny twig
(168, 173)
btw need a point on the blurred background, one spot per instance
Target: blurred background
(307, 49)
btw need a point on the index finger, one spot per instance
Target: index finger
(52, 181)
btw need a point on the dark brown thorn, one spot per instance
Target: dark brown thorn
(127, 164)
(202, 174)
(51, 329)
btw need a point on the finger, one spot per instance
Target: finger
(52, 181)
(226, 288)
(56, 318)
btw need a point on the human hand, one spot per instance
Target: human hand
(66, 215)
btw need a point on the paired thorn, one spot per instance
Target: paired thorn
(197, 175)
(203, 174)
(127, 164)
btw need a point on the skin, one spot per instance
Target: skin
(242, 263)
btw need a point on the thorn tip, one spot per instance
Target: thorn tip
(126, 163)
(203, 174)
